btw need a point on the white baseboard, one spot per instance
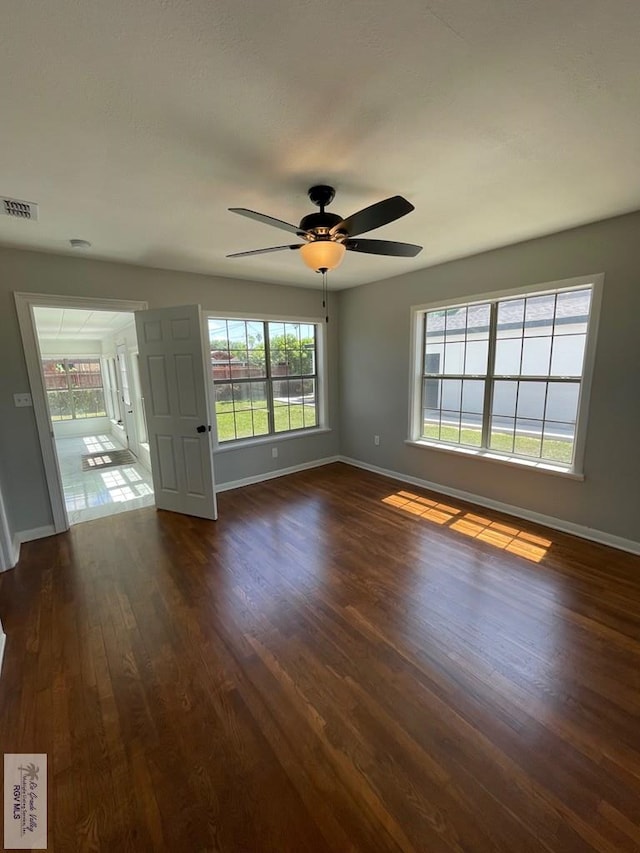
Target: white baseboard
(35, 533)
(28, 536)
(271, 475)
(519, 512)
(9, 551)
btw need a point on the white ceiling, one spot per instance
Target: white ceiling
(135, 125)
(78, 324)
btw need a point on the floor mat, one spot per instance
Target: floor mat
(107, 459)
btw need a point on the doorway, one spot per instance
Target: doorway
(99, 454)
(97, 464)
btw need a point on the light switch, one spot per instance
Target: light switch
(22, 400)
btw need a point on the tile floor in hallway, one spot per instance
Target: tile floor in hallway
(93, 494)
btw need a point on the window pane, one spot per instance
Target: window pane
(535, 356)
(85, 373)
(434, 359)
(451, 394)
(226, 423)
(454, 358)
(504, 398)
(249, 395)
(572, 312)
(59, 405)
(478, 317)
(309, 401)
(558, 442)
(476, 357)
(450, 426)
(508, 354)
(55, 375)
(435, 321)
(294, 404)
(528, 441)
(568, 355)
(502, 434)
(292, 348)
(456, 324)
(431, 393)
(473, 396)
(538, 315)
(531, 398)
(471, 429)
(510, 318)
(89, 403)
(251, 422)
(431, 423)
(562, 401)
(308, 354)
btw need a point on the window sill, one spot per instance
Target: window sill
(502, 459)
(239, 443)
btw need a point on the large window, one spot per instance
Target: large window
(506, 375)
(74, 388)
(265, 377)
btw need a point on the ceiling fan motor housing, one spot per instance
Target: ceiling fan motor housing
(316, 221)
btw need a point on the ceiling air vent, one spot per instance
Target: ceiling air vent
(19, 209)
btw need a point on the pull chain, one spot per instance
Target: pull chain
(325, 296)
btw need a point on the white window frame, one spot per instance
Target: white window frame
(321, 380)
(576, 469)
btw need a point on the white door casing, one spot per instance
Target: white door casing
(175, 380)
(25, 303)
(126, 399)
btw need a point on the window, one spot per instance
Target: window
(265, 377)
(74, 388)
(505, 375)
(111, 390)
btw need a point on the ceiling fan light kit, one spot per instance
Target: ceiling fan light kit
(327, 236)
(321, 255)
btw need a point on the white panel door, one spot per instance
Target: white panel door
(175, 382)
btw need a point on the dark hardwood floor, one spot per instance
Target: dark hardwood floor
(340, 663)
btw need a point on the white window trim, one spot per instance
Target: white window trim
(322, 358)
(576, 470)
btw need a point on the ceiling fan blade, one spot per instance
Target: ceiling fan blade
(383, 247)
(264, 251)
(378, 214)
(267, 220)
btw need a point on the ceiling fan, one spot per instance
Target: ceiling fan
(327, 236)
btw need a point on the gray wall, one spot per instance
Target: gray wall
(21, 471)
(374, 375)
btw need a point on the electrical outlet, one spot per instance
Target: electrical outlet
(20, 400)
(376, 440)
(274, 452)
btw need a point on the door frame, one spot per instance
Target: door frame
(128, 416)
(25, 303)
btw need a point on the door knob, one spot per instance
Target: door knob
(201, 428)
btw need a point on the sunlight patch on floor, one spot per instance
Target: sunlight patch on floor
(500, 535)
